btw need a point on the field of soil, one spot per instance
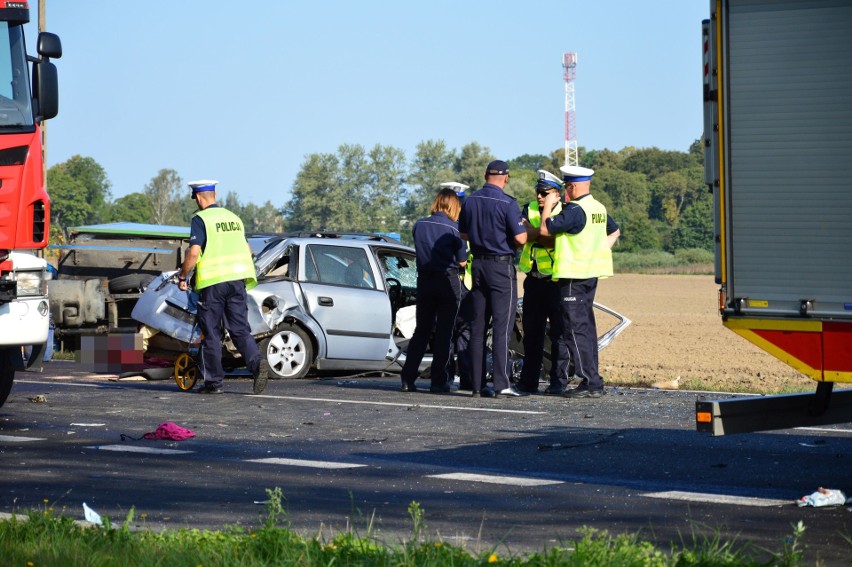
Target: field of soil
(677, 331)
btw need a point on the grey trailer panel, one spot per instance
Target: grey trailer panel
(788, 147)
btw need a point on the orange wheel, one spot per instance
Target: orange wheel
(186, 372)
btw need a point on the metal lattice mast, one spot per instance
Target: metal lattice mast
(569, 65)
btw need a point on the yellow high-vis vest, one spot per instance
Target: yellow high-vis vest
(586, 254)
(226, 256)
(542, 255)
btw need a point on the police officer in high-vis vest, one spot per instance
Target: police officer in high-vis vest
(541, 292)
(582, 256)
(224, 269)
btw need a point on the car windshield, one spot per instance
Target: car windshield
(15, 101)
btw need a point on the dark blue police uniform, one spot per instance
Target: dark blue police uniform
(439, 250)
(491, 219)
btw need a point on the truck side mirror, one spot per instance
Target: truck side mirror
(46, 90)
(48, 45)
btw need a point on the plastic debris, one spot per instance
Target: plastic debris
(167, 430)
(40, 399)
(91, 515)
(823, 497)
(667, 385)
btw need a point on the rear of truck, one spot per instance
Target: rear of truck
(778, 159)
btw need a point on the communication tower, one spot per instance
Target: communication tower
(569, 66)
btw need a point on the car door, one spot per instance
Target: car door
(339, 284)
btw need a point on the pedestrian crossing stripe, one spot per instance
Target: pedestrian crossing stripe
(497, 479)
(717, 498)
(16, 439)
(305, 463)
(134, 449)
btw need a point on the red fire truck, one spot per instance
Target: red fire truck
(28, 96)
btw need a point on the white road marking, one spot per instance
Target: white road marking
(15, 439)
(134, 449)
(496, 479)
(304, 463)
(826, 429)
(717, 498)
(394, 404)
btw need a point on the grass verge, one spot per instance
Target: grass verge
(42, 538)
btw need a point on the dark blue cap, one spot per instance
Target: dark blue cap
(497, 167)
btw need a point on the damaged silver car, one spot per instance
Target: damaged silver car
(324, 301)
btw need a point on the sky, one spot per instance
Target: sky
(242, 92)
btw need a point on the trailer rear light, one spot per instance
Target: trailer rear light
(722, 299)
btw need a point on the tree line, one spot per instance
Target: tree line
(658, 197)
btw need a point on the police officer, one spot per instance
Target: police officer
(583, 232)
(541, 293)
(221, 256)
(459, 362)
(441, 254)
(491, 222)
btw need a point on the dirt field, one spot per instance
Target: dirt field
(677, 331)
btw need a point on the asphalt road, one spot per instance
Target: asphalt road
(353, 453)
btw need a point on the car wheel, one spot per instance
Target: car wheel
(289, 351)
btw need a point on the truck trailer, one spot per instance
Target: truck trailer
(24, 204)
(778, 160)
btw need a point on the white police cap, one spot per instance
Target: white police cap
(573, 173)
(203, 185)
(459, 188)
(547, 180)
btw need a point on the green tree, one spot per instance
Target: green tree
(307, 209)
(265, 219)
(655, 162)
(164, 192)
(638, 232)
(627, 190)
(696, 226)
(529, 161)
(470, 163)
(133, 207)
(431, 165)
(69, 205)
(94, 178)
(600, 159)
(385, 188)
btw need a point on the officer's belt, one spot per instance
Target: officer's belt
(498, 257)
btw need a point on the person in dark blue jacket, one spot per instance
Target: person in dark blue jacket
(491, 221)
(441, 254)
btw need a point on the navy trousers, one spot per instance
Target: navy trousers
(228, 300)
(438, 299)
(541, 303)
(460, 357)
(579, 340)
(494, 296)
